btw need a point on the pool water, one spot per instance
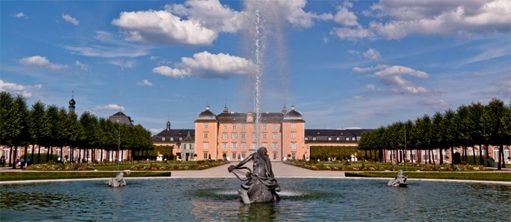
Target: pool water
(217, 199)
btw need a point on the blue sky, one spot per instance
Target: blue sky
(342, 64)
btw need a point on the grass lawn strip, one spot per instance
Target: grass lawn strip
(475, 175)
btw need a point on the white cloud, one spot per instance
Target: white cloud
(123, 64)
(70, 19)
(145, 82)
(171, 72)
(371, 54)
(392, 77)
(81, 66)
(401, 85)
(439, 17)
(115, 51)
(41, 62)
(400, 70)
(212, 14)
(368, 69)
(109, 107)
(163, 27)
(21, 15)
(103, 36)
(17, 89)
(352, 33)
(206, 64)
(199, 22)
(345, 17)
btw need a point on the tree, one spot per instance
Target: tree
(500, 132)
(7, 130)
(39, 127)
(439, 132)
(18, 129)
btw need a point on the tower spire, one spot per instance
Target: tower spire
(72, 102)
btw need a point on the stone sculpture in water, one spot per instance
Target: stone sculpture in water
(399, 180)
(260, 185)
(117, 181)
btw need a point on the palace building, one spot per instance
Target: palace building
(233, 136)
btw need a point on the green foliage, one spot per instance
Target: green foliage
(57, 128)
(13, 176)
(339, 152)
(132, 165)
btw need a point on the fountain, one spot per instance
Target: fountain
(260, 184)
(117, 181)
(399, 180)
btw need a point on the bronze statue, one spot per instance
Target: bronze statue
(260, 185)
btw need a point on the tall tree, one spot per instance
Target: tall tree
(39, 127)
(21, 135)
(7, 130)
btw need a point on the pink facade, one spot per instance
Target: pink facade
(232, 136)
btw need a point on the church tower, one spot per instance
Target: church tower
(72, 104)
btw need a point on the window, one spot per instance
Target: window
(293, 125)
(306, 138)
(171, 138)
(338, 138)
(205, 146)
(275, 154)
(275, 135)
(275, 146)
(254, 136)
(243, 155)
(293, 155)
(234, 146)
(347, 139)
(233, 126)
(276, 127)
(206, 155)
(243, 127)
(243, 146)
(243, 135)
(352, 138)
(265, 145)
(254, 146)
(233, 155)
(225, 126)
(293, 135)
(180, 138)
(205, 125)
(224, 146)
(264, 135)
(163, 139)
(205, 135)
(293, 146)
(264, 127)
(234, 136)
(313, 138)
(224, 136)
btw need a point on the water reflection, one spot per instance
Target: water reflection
(217, 200)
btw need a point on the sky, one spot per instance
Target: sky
(342, 64)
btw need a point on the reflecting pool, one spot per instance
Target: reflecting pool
(217, 199)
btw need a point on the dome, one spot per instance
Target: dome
(293, 115)
(207, 115)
